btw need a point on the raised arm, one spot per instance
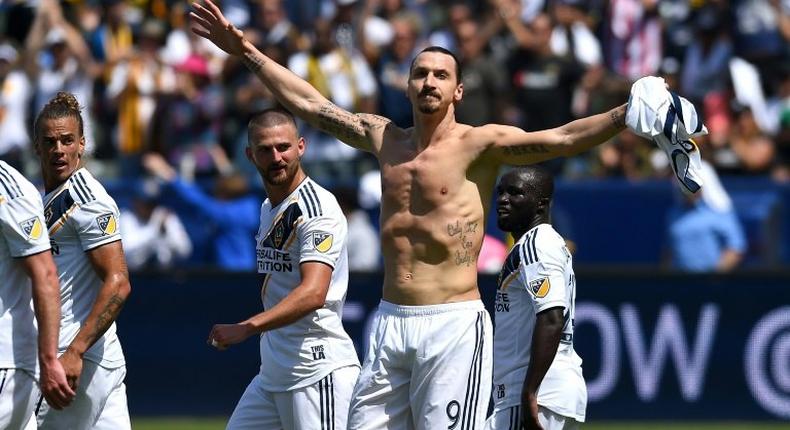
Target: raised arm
(512, 145)
(362, 131)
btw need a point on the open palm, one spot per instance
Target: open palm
(213, 25)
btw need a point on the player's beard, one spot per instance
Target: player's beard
(280, 177)
(429, 105)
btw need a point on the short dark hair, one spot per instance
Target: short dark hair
(271, 117)
(539, 180)
(444, 51)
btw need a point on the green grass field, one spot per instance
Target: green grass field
(219, 424)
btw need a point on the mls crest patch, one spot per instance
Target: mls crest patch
(32, 227)
(107, 224)
(540, 287)
(322, 241)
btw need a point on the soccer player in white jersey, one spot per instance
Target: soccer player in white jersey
(82, 220)
(538, 381)
(308, 362)
(24, 253)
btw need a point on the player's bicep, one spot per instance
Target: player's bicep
(316, 276)
(108, 261)
(514, 146)
(361, 131)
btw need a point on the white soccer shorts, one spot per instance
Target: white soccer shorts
(510, 419)
(427, 367)
(323, 405)
(100, 403)
(17, 398)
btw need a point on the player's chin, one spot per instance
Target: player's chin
(503, 222)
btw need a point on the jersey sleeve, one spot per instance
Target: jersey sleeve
(543, 272)
(22, 225)
(97, 223)
(322, 239)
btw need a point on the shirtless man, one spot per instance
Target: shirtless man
(429, 360)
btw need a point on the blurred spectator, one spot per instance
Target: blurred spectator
(57, 59)
(188, 122)
(492, 255)
(15, 95)
(571, 37)
(393, 70)
(632, 45)
(232, 212)
(757, 36)
(135, 84)
(484, 79)
(543, 82)
(280, 37)
(153, 235)
(755, 150)
(345, 79)
(704, 232)
(628, 157)
(705, 70)
(364, 249)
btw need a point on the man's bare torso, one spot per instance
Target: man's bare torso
(432, 217)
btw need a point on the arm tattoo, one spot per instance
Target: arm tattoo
(107, 316)
(253, 62)
(617, 116)
(526, 149)
(344, 125)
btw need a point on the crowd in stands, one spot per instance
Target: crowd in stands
(166, 111)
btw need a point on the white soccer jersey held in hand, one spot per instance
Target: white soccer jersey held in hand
(670, 121)
(537, 276)
(81, 216)
(23, 234)
(308, 226)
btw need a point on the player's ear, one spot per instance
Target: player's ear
(459, 92)
(300, 146)
(248, 153)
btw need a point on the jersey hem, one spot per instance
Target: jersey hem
(32, 251)
(310, 380)
(95, 245)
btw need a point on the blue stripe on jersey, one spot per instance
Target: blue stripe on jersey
(57, 207)
(312, 193)
(307, 203)
(283, 228)
(512, 262)
(534, 247)
(82, 180)
(9, 183)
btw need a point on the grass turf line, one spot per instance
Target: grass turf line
(219, 424)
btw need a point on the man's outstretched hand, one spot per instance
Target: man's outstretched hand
(212, 25)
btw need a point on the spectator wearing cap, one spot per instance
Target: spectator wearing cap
(15, 92)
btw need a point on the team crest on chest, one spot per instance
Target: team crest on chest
(48, 214)
(540, 287)
(322, 241)
(32, 227)
(107, 223)
(279, 234)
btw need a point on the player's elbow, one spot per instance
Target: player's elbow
(122, 288)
